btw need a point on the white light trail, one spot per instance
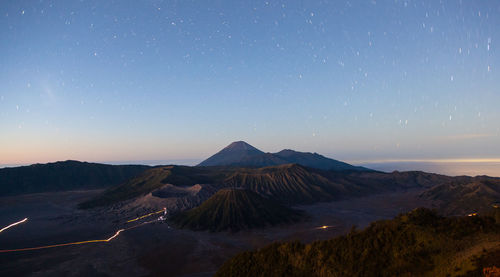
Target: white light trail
(13, 224)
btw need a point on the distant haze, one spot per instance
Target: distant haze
(447, 168)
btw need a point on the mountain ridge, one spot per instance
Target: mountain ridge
(235, 151)
(288, 184)
(240, 153)
(64, 176)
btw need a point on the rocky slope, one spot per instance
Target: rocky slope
(465, 195)
(234, 210)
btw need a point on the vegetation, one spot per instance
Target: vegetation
(234, 210)
(418, 243)
(64, 176)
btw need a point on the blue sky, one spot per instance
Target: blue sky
(173, 80)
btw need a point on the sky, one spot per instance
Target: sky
(360, 81)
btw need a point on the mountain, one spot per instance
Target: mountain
(234, 210)
(64, 176)
(233, 154)
(242, 154)
(315, 160)
(465, 195)
(289, 183)
(149, 181)
(266, 159)
(419, 243)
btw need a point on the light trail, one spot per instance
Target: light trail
(115, 235)
(82, 242)
(144, 216)
(13, 224)
(64, 244)
(324, 227)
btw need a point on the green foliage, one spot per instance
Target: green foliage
(408, 245)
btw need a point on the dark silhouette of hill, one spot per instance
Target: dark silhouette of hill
(419, 243)
(242, 154)
(465, 195)
(392, 181)
(234, 210)
(64, 176)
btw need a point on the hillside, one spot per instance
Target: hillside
(419, 243)
(234, 210)
(242, 154)
(289, 184)
(64, 176)
(149, 181)
(471, 195)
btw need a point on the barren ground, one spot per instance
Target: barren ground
(156, 249)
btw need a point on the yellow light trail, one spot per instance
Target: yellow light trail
(64, 244)
(144, 216)
(323, 227)
(76, 243)
(13, 224)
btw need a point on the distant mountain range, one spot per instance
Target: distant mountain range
(242, 154)
(288, 184)
(288, 177)
(64, 176)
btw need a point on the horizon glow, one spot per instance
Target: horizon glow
(164, 80)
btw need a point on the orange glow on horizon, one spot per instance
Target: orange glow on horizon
(457, 160)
